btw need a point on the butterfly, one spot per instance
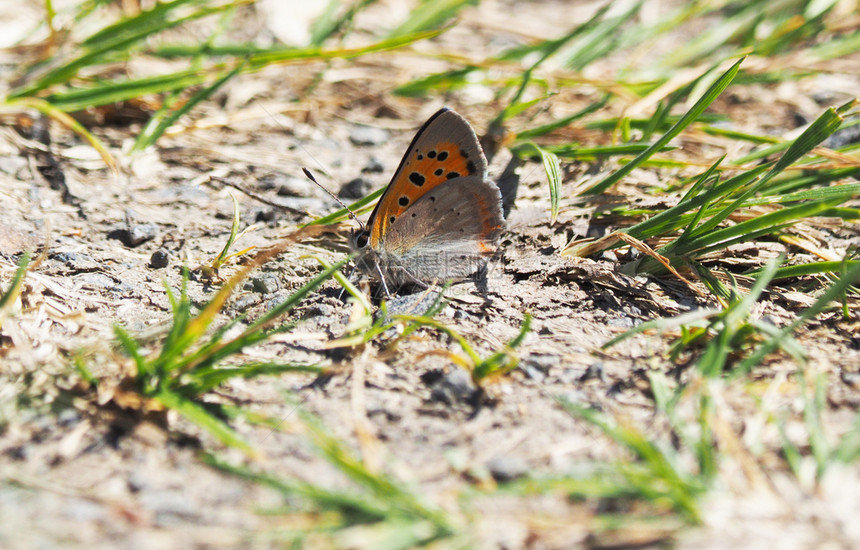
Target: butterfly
(440, 217)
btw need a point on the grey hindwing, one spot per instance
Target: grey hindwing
(444, 235)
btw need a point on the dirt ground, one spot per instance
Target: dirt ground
(73, 476)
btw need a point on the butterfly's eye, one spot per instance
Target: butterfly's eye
(360, 240)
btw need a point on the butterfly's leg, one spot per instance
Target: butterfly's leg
(382, 279)
(350, 279)
(418, 282)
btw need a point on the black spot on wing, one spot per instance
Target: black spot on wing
(442, 156)
(417, 179)
(438, 172)
(452, 175)
(470, 166)
(403, 201)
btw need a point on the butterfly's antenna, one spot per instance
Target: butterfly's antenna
(311, 177)
(352, 215)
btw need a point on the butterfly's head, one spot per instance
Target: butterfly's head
(360, 239)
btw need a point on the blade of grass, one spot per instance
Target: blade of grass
(57, 114)
(153, 130)
(531, 133)
(553, 173)
(431, 14)
(852, 277)
(689, 117)
(8, 298)
(203, 418)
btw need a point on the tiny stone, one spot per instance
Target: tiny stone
(244, 302)
(159, 259)
(850, 378)
(368, 135)
(11, 165)
(418, 303)
(319, 310)
(68, 418)
(574, 397)
(842, 138)
(265, 215)
(454, 387)
(594, 370)
(141, 232)
(135, 234)
(267, 283)
(621, 322)
(507, 468)
(97, 281)
(543, 362)
(66, 257)
(294, 187)
(355, 189)
(373, 166)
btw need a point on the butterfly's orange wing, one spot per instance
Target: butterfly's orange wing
(444, 148)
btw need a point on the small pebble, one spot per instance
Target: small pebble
(11, 165)
(595, 370)
(843, 137)
(454, 387)
(135, 234)
(159, 259)
(244, 302)
(621, 322)
(373, 166)
(507, 468)
(76, 261)
(266, 283)
(368, 135)
(418, 303)
(295, 187)
(354, 189)
(540, 362)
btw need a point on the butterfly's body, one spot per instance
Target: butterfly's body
(440, 217)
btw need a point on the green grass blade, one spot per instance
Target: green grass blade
(118, 45)
(600, 39)
(811, 268)
(8, 298)
(526, 135)
(689, 117)
(446, 81)
(210, 378)
(553, 173)
(204, 419)
(343, 213)
(430, 14)
(152, 132)
(851, 277)
(63, 118)
(548, 47)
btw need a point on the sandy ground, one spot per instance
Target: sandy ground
(76, 472)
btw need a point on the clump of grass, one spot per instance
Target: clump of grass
(824, 450)
(377, 512)
(731, 339)
(656, 474)
(188, 361)
(711, 201)
(482, 369)
(7, 298)
(78, 74)
(364, 328)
